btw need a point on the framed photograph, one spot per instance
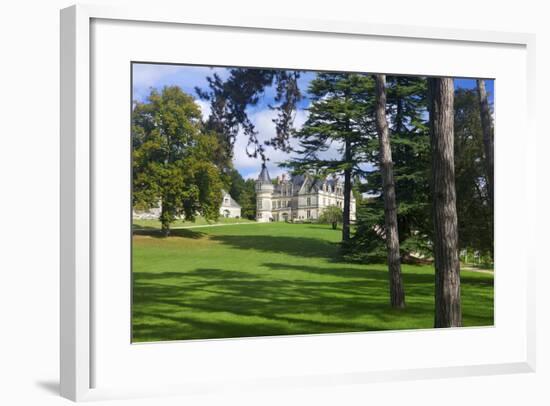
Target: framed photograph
(289, 202)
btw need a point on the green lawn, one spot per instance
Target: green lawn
(199, 221)
(273, 279)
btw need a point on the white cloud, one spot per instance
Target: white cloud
(300, 118)
(205, 108)
(250, 167)
(262, 120)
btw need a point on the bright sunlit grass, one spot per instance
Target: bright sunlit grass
(276, 278)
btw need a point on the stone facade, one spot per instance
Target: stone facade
(228, 208)
(299, 198)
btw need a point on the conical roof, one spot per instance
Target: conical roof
(264, 175)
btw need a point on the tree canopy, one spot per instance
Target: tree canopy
(340, 117)
(230, 98)
(172, 158)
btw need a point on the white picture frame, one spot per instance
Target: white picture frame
(77, 216)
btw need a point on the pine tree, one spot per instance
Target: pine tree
(230, 98)
(487, 126)
(447, 266)
(406, 111)
(474, 203)
(340, 115)
(397, 293)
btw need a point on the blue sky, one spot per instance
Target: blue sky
(147, 76)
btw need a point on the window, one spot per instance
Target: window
(260, 204)
(308, 214)
(308, 201)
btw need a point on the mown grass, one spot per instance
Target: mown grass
(199, 221)
(275, 279)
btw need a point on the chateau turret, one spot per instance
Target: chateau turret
(264, 195)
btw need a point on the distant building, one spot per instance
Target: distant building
(229, 208)
(297, 198)
(151, 214)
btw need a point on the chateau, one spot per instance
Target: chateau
(228, 208)
(297, 198)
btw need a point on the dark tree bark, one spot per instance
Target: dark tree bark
(165, 223)
(487, 127)
(447, 266)
(397, 293)
(347, 194)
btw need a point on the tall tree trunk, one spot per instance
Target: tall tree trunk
(397, 293)
(164, 221)
(447, 266)
(487, 127)
(347, 201)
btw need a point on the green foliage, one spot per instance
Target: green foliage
(331, 215)
(412, 170)
(230, 98)
(248, 200)
(407, 114)
(367, 244)
(410, 143)
(340, 115)
(474, 211)
(236, 184)
(244, 192)
(172, 158)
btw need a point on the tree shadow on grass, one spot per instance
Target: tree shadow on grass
(305, 247)
(178, 232)
(326, 227)
(214, 303)
(246, 302)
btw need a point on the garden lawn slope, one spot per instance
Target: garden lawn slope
(275, 278)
